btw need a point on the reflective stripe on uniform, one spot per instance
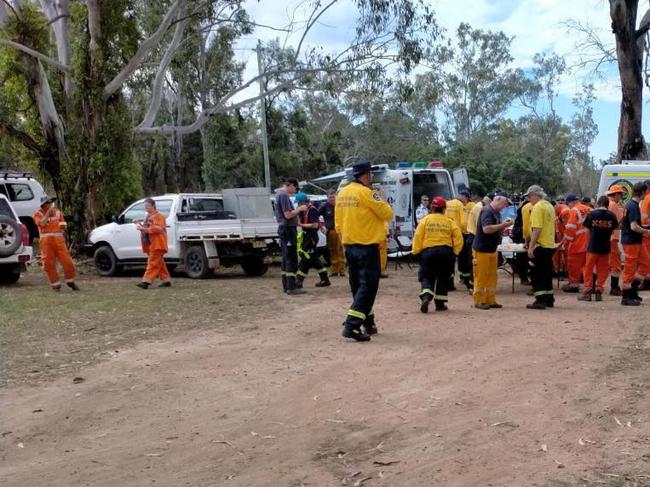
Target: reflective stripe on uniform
(582, 230)
(571, 225)
(542, 293)
(42, 235)
(301, 274)
(426, 291)
(440, 297)
(356, 314)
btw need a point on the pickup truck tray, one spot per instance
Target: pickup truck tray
(251, 228)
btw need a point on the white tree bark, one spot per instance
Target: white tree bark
(156, 96)
(50, 120)
(144, 49)
(33, 53)
(57, 13)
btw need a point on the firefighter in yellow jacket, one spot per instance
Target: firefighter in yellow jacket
(437, 239)
(360, 218)
(459, 210)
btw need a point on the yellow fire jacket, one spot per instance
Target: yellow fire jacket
(361, 215)
(435, 230)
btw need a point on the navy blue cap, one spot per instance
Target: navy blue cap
(570, 197)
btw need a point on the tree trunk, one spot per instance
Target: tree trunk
(631, 144)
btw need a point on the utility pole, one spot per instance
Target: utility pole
(265, 142)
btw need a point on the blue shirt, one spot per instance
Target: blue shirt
(487, 242)
(632, 214)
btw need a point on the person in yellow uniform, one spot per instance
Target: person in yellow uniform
(383, 254)
(459, 210)
(437, 239)
(360, 218)
(541, 248)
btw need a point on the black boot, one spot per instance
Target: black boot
(614, 289)
(628, 299)
(440, 305)
(586, 296)
(284, 283)
(635, 290)
(292, 287)
(424, 305)
(369, 326)
(299, 281)
(645, 285)
(355, 333)
(324, 280)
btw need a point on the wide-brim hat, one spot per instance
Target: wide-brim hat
(47, 199)
(615, 189)
(361, 168)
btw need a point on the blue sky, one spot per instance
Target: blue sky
(535, 25)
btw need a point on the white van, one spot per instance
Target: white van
(626, 174)
(404, 185)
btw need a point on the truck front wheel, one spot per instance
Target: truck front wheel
(254, 266)
(196, 263)
(106, 261)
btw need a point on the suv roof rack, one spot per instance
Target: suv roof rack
(15, 175)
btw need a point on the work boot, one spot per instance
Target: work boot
(292, 288)
(496, 306)
(628, 299)
(165, 284)
(549, 300)
(614, 287)
(586, 296)
(143, 285)
(324, 280)
(284, 283)
(645, 286)
(73, 286)
(571, 288)
(424, 306)
(536, 305)
(370, 327)
(440, 305)
(299, 281)
(598, 295)
(482, 306)
(355, 333)
(635, 290)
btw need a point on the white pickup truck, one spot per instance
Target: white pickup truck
(15, 251)
(204, 232)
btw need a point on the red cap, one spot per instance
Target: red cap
(439, 202)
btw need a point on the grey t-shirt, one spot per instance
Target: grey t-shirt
(282, 204)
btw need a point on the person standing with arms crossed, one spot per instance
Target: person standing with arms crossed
(51, 227)
(287, 217)
(360, 220)
(154, 243)
(541, 248)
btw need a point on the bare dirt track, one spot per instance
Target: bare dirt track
(275, 397)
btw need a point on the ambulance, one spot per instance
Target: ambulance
(626, 174)
(404, 184)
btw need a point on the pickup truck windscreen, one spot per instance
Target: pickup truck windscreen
(137, 212)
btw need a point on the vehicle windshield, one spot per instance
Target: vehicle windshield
(137, 213)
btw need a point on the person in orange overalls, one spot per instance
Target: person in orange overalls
(632, 234)
(154, 244)
(616, 206)
(51, 227)
(561, 217)
(576, 238)
(644, 265)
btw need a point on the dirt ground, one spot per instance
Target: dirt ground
(224, 382)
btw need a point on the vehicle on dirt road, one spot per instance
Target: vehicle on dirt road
(15, 250)
(24, 193)
(204, 231)
(404, 185)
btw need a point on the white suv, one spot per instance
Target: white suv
(24, 193)
(15, 251)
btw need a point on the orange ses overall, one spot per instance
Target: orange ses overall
(615, 262)
(50, 228)
(154, 244)
(644, 264)
(578, 237)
